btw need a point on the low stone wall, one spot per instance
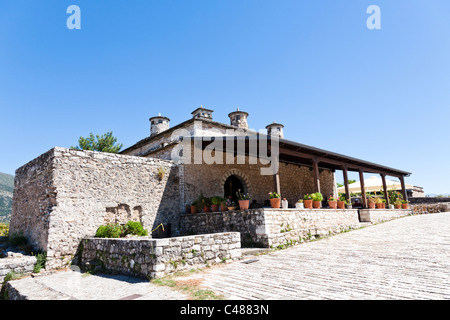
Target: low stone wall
(23, 264)
(272, 227)
(380, 215)
(290, 225)
(250, 224)
(146, 257)
(423, 200)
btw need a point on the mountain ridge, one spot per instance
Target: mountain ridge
(6, 194)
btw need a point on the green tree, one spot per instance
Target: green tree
(104, 143)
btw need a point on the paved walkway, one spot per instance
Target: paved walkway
(408, 258)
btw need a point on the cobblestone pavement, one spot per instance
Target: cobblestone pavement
(408, 258)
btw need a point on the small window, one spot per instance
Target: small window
(160, 121)
(238, 117)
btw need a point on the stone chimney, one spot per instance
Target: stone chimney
(238, 119)
(158, 124)
(275, 129)
(202, 113)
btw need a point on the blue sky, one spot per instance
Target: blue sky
(379, 95)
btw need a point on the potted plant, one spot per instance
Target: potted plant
(317, 199)
(275, 199)
(371, 202)
(307, 201)
(380, 203)
(223, 205)
(398, 203)
(231, 205)
(244, 200)
(215, 203)
(299, 204)
(405, 204)
(348, 205)
(196, 206)
(206, 204)
(332, 202)
(341, 201)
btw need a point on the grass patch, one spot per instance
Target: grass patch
(181, 281)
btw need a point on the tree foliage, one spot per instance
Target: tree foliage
(104, 143)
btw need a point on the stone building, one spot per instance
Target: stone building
(64, 195)
(242, 155)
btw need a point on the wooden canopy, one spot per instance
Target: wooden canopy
(303, 155)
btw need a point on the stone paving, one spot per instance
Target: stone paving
(407, 258)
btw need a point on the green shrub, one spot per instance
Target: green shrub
(135, 228)
(317, 196)
(115, 230)
(112, 230)
(4, 229)
(41, 258)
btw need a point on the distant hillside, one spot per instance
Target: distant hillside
(6, 193)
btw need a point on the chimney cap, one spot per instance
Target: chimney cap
(201, 108)
(238, 112)
(159, 116)
(275, 124)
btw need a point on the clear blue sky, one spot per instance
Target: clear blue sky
(379, 95)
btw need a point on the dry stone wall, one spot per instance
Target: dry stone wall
(65, 195)
(155, 258)
(382, 215)
(273, 227)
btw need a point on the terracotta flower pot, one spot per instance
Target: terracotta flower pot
(193, 209)
(405, 206)
(316, 204)
(341, 204)
(307, 204)
(231, 208)
(371, 205)
(398, 206)
(223, 207)
(379, 205)
(332, 204)
(205, 209)
(275, 202)
(243, 204)
(215, 207)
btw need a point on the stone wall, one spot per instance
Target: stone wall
(380, 215)
(426, 200)
(272, 227)
(286, 225)
(249, 223)
(145, 257)
(295, 181)
(65, 195)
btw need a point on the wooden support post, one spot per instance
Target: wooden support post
(276, 183)
(363, 189)
(386, 194)
(405, 195)
(316, 175)
(347, 193)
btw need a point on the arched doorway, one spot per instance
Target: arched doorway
(231, 186)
